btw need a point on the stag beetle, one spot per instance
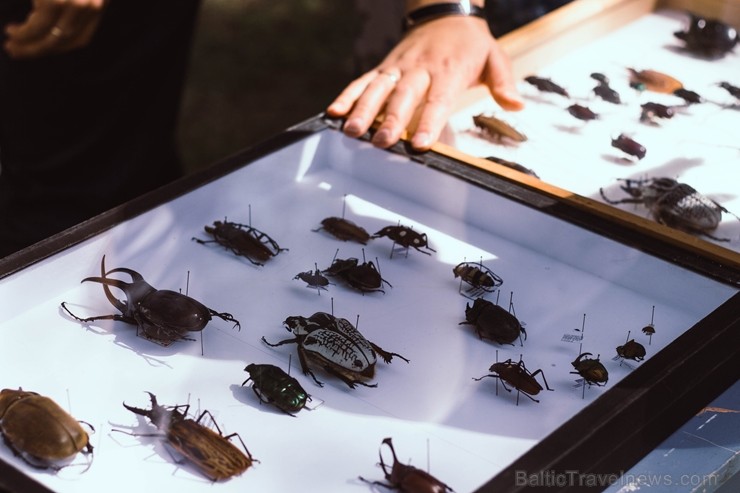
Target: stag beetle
(518, 376)
(708, 37)
(363, 277)
(478, 276)
(407, 478)
(335, 345)
(243, 240)
(629, 146)
(655, 81)
(273, 386)
(591, 370)
(406, 237)
(210, 451)
(163, 316)
(546, 85)
(493, 322)
(344, 230)
(497, 128)
(39, 431)
(674, 204)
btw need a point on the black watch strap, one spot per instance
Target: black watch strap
(435, 10)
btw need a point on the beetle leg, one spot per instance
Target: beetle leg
(116, 317)
(387, 357)
(225, 316)
(286, 341)
(543, 377)
(304, 363)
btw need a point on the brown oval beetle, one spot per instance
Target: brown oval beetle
(582, 113)
(273, 386)
(39, 431)
(709, 38)
(591, 370)
(655, 81)
(518, 376)
(651, 111)
(406, 237)
(607, 94)
(344, 230)
(407, 478)
(364, 277)
(243, 240)
(493, 322)
(546, 85)
(629, 146)
(335, 345)
(674, 204)
(162, 316)
(479, 277)
(497, 128)
(209, 451)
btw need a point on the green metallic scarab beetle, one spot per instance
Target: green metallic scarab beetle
(273, 386)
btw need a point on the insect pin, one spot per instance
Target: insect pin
(406, 238)
(40, 432)
(209, 451)
(405, 477)
(478, 277)
(518, 376)
(160, 315)
(313, 279)
(649, 329)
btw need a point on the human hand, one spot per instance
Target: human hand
(430, 66)
(54, 26)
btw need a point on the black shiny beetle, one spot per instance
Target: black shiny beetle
(344, 229)
(313, 279)
(407, 478)
(629, 146)
(607, 94)
(518, 376)
(674, 204)
(546, 85)
(709, 38)
(480, 278)
(364, 277)
(406, 238)
(162, 316)
(273, 386)
(493, 322)
(243, 240)
(651, 111)
(631, 350)
(582, 113)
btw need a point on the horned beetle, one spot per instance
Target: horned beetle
(162, 315)
(406, 237)
(407, 478)
(518, 376)
(39, 431)
(591, 370)
(335, 345)
(480, 278)
(674, 204)
(493, 322)
(273, 386)
(210, 451)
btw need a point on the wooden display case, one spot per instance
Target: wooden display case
(581, 281)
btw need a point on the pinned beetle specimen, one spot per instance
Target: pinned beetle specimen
(733, 90)
(674, 204)
(273, 386)
(631, 350)
(629, 146)
(710, 38)
(546, 85)
(407, 478)
(649, 329)
(162, 315)
(39, 431)
(498, 129)
(650, 111)
(518, 376)
(209, 451)
(363, 277)
(582, 113)
(591, 370)
(479, 277)
(313, 279)
(344, 229)
(493, 322)
(513, 165)
(600, 78)
(690, 97)
(607, 94)
(335, 345)
(243, 240)
(406, 238)
(655, 81)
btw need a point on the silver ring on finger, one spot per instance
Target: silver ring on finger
(393, 75)
(56, 32)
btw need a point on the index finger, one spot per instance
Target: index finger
(37, 25)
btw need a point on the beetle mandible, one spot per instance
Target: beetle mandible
(273, 386)
(39, 431)
(674, 204)
(163, 316)
(335, 345)
(493, 322)
(209, 451)
(518, 376)
(407, 478)
(243, 240)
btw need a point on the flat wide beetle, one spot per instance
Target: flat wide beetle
(479, 277)
(407, 478)
(344, 230)
(335, 345)
(209, 451)
(493, 322)
(674, 204)
(363, 277)
(273, 386)
(243, 240)
(591, 370)
(406, 237)
(39, 431)
(498, 129)
(518, 376)
(163, 316)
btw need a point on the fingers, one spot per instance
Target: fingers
(500, 80)
(54, 26)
